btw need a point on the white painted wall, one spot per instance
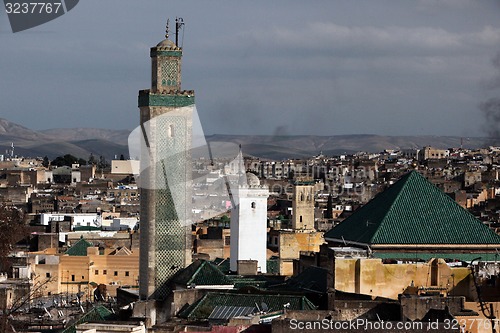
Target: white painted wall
(249, 228)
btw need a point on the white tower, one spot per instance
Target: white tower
(249, 224)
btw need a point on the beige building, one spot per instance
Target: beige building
(428, 152)
(125, 167)
(82, 268)
(289, 244)
(373, 277)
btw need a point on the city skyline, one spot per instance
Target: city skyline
(394, 68)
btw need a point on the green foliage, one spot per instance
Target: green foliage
(68, 160)
(92, 160)
(46, 161)
(103, 163)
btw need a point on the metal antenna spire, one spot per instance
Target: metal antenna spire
(167, 29)
(179, 22)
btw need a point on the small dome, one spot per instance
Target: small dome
(252, 179)
(167, 43)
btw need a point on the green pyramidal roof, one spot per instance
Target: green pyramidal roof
(201, 272)
(79, 248)
(413, 211)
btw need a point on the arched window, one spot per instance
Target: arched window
(170, 131)
(301, 196)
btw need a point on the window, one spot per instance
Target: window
(227, 240)
(126, 273)
(253, 204)
(300, 218)
(96, 272)
(72, 277)
(104, 272)
(47, 274)
(116, 273)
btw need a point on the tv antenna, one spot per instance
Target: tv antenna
(179, 22)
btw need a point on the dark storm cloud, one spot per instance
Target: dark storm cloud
(258, 68)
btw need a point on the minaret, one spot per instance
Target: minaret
(303, 206)
(166, 114)
(249, 221)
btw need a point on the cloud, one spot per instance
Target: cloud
(320, 36)
(440, 4)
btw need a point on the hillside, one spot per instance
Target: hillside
(82, 142)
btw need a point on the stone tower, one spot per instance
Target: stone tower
(303, 206)
(166, 114)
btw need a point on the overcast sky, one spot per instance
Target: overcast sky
(263, 67)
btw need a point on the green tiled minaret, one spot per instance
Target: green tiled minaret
(166, 122)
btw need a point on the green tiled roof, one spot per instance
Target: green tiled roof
(222, 264)
(79, 248)
(201, 273)
(205, 306)
(426, 256)
(97, 313)
(258, 281)
(312, 278)
(413, 211)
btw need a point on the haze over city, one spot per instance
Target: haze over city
(281, 68)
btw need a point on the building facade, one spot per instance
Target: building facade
(249, 224)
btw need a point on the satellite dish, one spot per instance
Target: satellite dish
(264, 307)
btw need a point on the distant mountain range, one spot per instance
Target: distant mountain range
(82, 142)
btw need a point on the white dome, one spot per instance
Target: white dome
(252, 179)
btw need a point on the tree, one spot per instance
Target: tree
(92, 160)
(102, 163)
(68, 160)
(225, 219)
(46, 162)
(21, 302)
(12, 230)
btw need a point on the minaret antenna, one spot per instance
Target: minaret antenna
(179, 22)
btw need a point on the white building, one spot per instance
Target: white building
(125, 166)
(121, 223)
(77, 219)
(249, 224)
